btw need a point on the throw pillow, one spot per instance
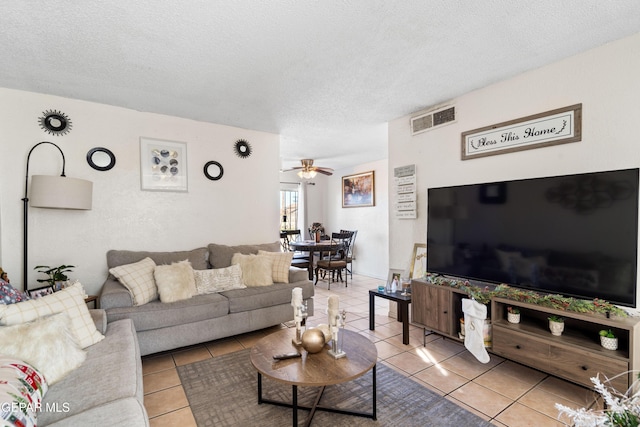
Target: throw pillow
(138, 279)
(9, 294)
(281, 264)
(219, 279)
(175, 282)
(46, 343)
(22, 388)
(256, 270)
(220, 255)
(69, 300)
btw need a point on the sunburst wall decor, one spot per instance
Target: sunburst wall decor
(243, 148)
(55, 122)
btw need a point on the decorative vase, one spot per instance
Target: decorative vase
(513, 317)
(313, 340)
(609, 343)
(556, 327)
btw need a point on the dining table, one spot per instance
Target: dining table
(312, 247)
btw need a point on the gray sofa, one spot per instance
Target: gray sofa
(165, 326)
(106, 390)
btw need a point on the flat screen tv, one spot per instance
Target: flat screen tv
(574, 235)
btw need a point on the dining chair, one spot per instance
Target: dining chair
(350, 255)
(300, 259)
(333, 265)
(284, 241)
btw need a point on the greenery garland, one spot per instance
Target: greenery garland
(558, 302)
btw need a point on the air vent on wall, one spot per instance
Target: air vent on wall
(432, 120)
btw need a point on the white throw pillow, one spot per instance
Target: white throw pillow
(19, 403)
(138, 279)
(281, 264)
(256, 270)
(69, 300)
(46, 343)
(175, 282)
(218, 279)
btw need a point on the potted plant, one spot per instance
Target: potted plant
(56, 275)
(513, 315)
(556, 325)
(608, 339)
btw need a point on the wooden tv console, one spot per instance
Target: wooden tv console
(576, 355)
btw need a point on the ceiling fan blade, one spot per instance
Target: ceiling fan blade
(293, 169)
(324, 171)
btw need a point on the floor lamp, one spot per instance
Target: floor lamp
(54, 192)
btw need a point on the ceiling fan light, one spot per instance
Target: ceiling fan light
(307, 174)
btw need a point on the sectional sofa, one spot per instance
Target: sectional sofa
(164, 326)
(106, 390)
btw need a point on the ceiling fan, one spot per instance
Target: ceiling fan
(308, 171)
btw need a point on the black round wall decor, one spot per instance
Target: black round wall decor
(55, 122)
(210, 170)
(243, 148)
(101, 159)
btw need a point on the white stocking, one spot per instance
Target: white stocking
(474, 315)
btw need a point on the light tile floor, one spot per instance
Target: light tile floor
(503, 392)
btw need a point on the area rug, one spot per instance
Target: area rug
(222, 391)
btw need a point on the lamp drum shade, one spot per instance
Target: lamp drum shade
(59, 192)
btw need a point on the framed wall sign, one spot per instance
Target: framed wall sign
(163, 165)
(358, 190)
(553, 127)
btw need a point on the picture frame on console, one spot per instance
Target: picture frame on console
(418, 261)
(394, 275)
(163, 165)
(40, 292)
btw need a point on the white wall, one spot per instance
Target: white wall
(242, 207)
(372, 223)
(605, 80)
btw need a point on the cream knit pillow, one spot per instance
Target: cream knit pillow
(69, 300)
(281, 264)
(138, 279)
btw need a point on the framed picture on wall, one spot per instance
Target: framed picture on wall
(163, 165)
(358, 190)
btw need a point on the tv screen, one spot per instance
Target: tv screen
(574, 235)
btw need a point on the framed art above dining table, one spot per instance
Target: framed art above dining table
(358, 190)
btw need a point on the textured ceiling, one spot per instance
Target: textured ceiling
(325, 75)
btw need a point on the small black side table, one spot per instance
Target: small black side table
(403, 310)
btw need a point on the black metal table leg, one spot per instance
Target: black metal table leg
(295, 405)
(404, 310)
(372, 312)
(374, 399)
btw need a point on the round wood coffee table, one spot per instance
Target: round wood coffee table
(314, 370)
